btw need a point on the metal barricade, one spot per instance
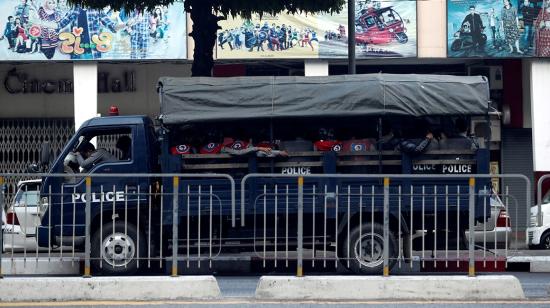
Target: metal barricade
(116, 228)
(367, 223)
(371, 223)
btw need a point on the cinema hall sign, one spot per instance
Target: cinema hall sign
(19, 82)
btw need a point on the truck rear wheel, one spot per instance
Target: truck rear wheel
(115, 252)
(366, 249)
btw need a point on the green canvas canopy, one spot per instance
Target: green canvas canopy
(200, 99)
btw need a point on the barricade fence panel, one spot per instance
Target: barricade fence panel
(443, 222)
(370, 224)
(116, 224)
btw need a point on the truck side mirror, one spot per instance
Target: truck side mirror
(45, 154)
(33, 168)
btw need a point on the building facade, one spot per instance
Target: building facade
(47, 97)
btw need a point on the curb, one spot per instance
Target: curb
(501, 287)
(108, 288)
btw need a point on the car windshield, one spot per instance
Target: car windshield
(29, 197)
(546, 198)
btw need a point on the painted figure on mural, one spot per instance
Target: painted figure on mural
(510, 24)
(473, 19)
(21, 35)
(22, 11)
(529, 11)
(9, 32)
(493, 21)
(51, 21)
(158, 24)
(542, 34)
(139, 34)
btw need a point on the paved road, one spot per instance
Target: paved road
(535, 285)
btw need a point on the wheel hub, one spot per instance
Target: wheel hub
(369, 250)
(118, 249)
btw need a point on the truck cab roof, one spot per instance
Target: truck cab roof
(117, 120)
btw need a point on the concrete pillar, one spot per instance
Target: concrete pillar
(432, 25)
(540, 109)
(85, 91)
(315, 68)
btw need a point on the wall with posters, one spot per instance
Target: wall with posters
(53, 30)
(383, 29)
(488, 28)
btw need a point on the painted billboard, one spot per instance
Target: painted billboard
(508, 28)
(53, 30)
(383, 29)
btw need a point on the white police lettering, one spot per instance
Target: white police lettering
(457, 168)
(421, 167)
(211, 145)
(296, 170)
(98, 197)
(183, 148)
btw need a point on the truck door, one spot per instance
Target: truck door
(108, 194)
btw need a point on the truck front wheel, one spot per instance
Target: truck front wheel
(115, 251)
(545, 241)
(366, 249)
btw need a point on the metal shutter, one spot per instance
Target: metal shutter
(517, 158)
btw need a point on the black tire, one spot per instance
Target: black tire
(545, 241)
(456, 45)
(120, 251)
(402, 37)
(371, 263)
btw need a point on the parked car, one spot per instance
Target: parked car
(539, 237)
(22, 218)
(498, 228)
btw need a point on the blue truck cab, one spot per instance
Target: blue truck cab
(132, 214)
(63, 222)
